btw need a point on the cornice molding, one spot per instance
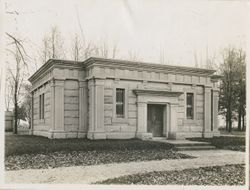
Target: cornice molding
(52, 63)
(115, 63)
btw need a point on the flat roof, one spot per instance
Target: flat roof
(122, 64)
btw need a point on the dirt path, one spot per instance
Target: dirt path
(91, 174)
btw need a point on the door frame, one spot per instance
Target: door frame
(161, 108)
(166, 116)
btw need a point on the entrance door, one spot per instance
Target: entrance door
(155, 120)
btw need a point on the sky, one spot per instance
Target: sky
(180, 29)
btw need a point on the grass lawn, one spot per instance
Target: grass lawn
(23, 152)
(217, 175)
(225, 142)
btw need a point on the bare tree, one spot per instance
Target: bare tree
(133, 56)
(241, 89)
(8, 93)
(228, 87)
(45, 49)
(53, 45)
(16, 78)
(114, 50)
(76, 48)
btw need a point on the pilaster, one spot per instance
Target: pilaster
(57, 108)
(83, 109)
(207, 112)
(142, 121)
(96, 109)
(172, 133)
(215, 110)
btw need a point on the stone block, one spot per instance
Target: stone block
(71, 106)
(199, 110)
(132, 114)
(107, 121)
(108, 92)
(199, 97)
(187, 79)
(195, 79)
(132, 121)
(71, 99)
(108, 107)
(108, 100)
(181, 109)
(202, 80)
(70, 127)
(179, 78)
(96, 135)
(71, 93)
(200, 116)
(71, 84)
(71, 113)
(199, 103)
(123, 135)
(128, 128)
(132, 107)
(71, 121)
(132, 100)
(180, 122)
(108, 113)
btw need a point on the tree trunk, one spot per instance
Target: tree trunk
(15, 114)
(227, 122)
(230, 126)
(239, 119)
(243, 123)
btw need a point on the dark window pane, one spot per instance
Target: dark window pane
(189, 99)
(119, 95)
(119, 110)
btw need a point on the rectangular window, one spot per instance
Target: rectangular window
(190, 106)
(120, 102)
(41, 106)
(212, 111)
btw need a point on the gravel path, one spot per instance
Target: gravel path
(91, 174)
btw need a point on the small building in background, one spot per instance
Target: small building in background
(9, 121)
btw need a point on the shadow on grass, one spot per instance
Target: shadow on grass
(16, 145)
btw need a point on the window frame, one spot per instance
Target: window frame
(120, 103)
(116, 119)
(189, 106)
(41, 106)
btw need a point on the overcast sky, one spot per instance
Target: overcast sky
(147, 27)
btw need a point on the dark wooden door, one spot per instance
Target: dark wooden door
(155, 120)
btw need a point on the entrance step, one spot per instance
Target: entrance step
(182, 145)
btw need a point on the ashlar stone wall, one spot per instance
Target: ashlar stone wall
(41, 126)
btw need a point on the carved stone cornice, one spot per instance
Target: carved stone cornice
(144, 66)
(52, 63)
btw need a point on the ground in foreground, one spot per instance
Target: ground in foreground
(216, 175)
(31, 152)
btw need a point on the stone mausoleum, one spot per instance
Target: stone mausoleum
(117, 99)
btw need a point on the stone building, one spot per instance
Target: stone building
(116, 99)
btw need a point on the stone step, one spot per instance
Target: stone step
(183, 148)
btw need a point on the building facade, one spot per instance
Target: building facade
(116, 99)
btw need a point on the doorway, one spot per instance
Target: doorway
(155, 119)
